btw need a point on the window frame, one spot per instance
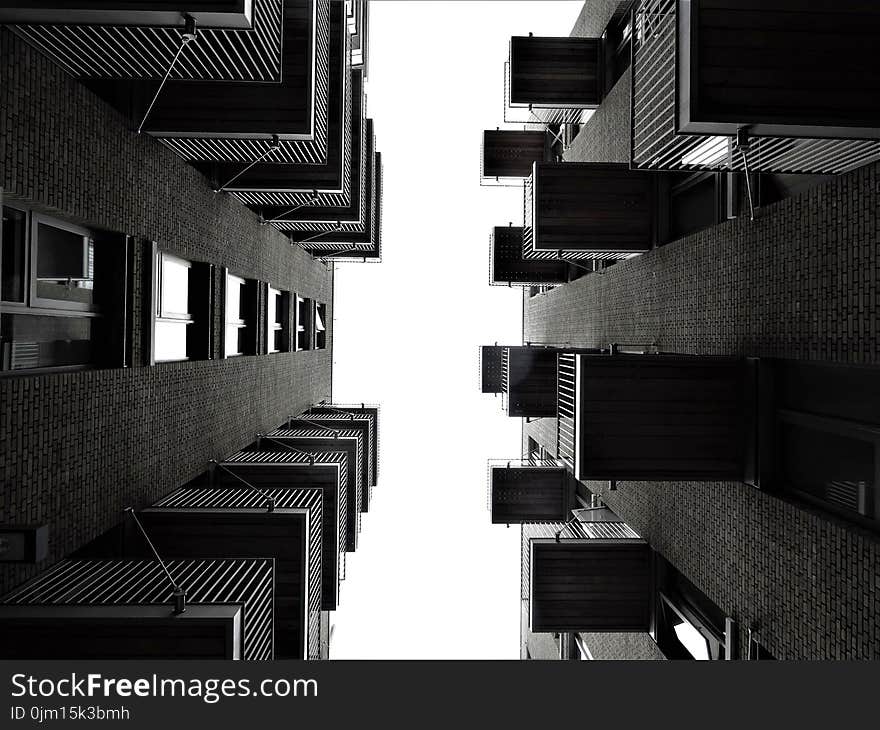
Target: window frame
(316, 317)
(240, 323)
(35, 301)
(303, 327)
(281, 321)
(160, 316)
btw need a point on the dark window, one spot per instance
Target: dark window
(618, 39)
(277, 318)
(64, 258)
(320, 326)
(693, 203)
(303, 323)
(63, 289)
(14, 262)
(183, 308)
(240, 316)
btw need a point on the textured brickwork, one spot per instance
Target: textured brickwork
(622, 646)
(77, 448)
(801, 282)
(605, 136)
(594, 16)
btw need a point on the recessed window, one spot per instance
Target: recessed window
(320, 326)
(64, 259)
(172, 308)
(240, 319)
(303, 323)
(277, 303)
(63, 290)
(236, 325)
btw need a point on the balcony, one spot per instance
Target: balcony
(123, 609)
(588, 211)
(110, 39)
(352, 420)
(509, 268)
(348, 446)
(552, 80)
(510, 154)
(658, 417)
(297, 469)
(236, 522)
(527, 377)
(593, 577)
(799, 80)
(529, 491)
(361, 413)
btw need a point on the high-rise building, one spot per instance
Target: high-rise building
(698, 374)
(177, 181)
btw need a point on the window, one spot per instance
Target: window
(172, 308)
(303, 323)
(63, 289)
(277, 304)
(689, 624)
(320, 326)
(235, 322)
(64, 263)
(239, 332)
(183, 306)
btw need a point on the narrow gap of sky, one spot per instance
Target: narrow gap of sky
(433, 578)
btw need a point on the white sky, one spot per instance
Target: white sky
(433, 578)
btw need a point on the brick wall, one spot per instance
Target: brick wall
(801, 282)
(76, 448)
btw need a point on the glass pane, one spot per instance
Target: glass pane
(271, 315)
(65, 265)
(231, 340)
(170, 341)
(174, 297)
(233, 298)
(40, 342)
(12, 286)
(319, 318)
(692, 640)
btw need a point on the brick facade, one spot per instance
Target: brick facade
(76, 448)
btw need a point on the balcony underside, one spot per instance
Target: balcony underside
(801, 80)
(122, 52)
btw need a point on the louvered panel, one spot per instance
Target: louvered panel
(249, 583)
(243, 498)
(656, 143)
(107, 51)
(565, 444)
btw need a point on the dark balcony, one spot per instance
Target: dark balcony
(294, 469)
(799, 78)
(555, 72)
(236, 522)
(123, 609)
(658, 417)
(143, 42)
(511, 153)
(312, 440)
(526, 375)
(207, 13)
(593, 577)
(510, 268)
(588, 210)
(529, 491)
